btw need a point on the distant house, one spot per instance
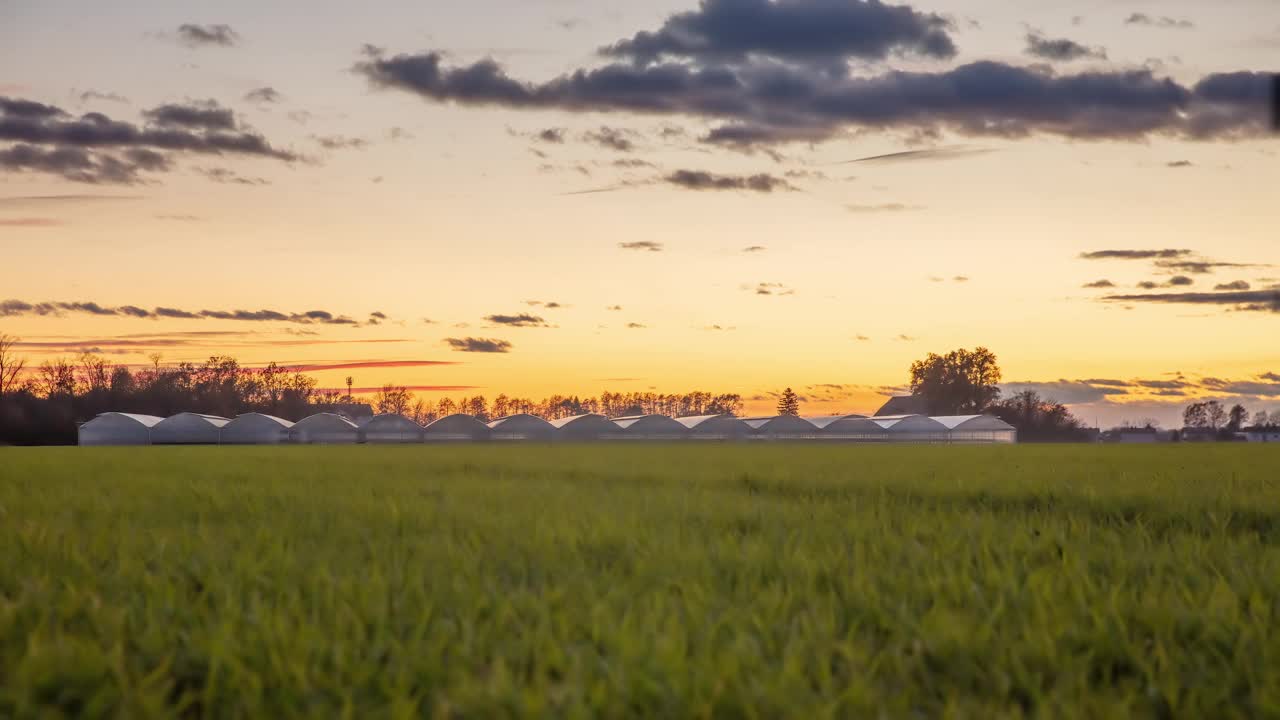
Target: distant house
(1199, 434)
(904, 405)
(1257, 434)
(1140, 436)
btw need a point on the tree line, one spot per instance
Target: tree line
(43, 404)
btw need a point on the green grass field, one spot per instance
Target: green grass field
(656, 582)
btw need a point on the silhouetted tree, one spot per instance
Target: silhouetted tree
(962, 382)
(11, 364)
(789, 403)
(1037, 419)
(393, 400)
(1237, 418)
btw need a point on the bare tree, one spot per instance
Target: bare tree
(11, 365)
(393, 400)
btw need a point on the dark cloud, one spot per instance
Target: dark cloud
(340, 142)
(18, 308)
(1098, 284)
(1245, 300)
(92, 95)
(1162, 21)
(1134, 254)
(1061, 49)
(643, 245)
(939, 153)
(767, 102)
(80, 165)
(1179, 164)
(862, 338)
(719, 328)
(263, 95)
(636, 326)
(522, 320)
(812, 31)
(1180, 281)
(618, 139)
(702, 180)
(205, 115)
(1148, 285)
(96, 149)
(544, 304)
(754, 249)
(614, 308)
(478, 345)
(1069, 392)
(1237, 285)
(193, 35)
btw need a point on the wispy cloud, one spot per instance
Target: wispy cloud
(30, 222)
(19, 308)
(939, 153)
(369, 365)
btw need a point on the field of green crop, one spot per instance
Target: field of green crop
(656, 582)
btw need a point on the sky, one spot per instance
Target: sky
(554, 196)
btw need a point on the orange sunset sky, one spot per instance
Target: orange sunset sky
(562, 196)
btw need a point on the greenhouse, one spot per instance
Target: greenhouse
(850, 428)
(716, 427)
(913, 429)
(256, 429)
(651, 427)
(390, 429)
(114, 428)
(522, 427)
(189, 429)
(456, 428)
(324, 429)
(978, 430)
(585, 428)
(782, 427)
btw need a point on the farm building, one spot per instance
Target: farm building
(903, 405)
(522, 427)
(854, 428)
(456, 428)
(256, 429)
(324, 429)
(650, 427)
(114, 428)
(584, 428)
(978, 429)
(1257, 435)
(782, 427)
(716, 427)
(188, 429)
(390, 429)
